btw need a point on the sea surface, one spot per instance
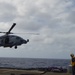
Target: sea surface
(25, 63)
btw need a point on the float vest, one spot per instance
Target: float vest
(73, 61)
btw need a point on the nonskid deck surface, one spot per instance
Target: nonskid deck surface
(28, 72)
(20, 72)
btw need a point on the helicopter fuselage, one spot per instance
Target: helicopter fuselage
(12, 40)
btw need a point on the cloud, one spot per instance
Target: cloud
(52, 19)
(7, 12)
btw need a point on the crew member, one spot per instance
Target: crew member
(73, 63)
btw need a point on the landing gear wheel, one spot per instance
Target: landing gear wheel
(10, 46)
(15, 47)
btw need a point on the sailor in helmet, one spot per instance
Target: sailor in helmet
(73, 63)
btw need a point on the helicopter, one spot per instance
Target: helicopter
(8, 40)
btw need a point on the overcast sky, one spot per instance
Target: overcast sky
(54, 20)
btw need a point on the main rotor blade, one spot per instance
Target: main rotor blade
(11, 28)
(2, 32)
(26, 33)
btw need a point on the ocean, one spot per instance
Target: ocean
(25, 63)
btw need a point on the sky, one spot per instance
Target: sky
(54, 20)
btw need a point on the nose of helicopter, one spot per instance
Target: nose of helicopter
(25, 41)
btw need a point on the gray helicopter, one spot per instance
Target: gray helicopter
(8, 40)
